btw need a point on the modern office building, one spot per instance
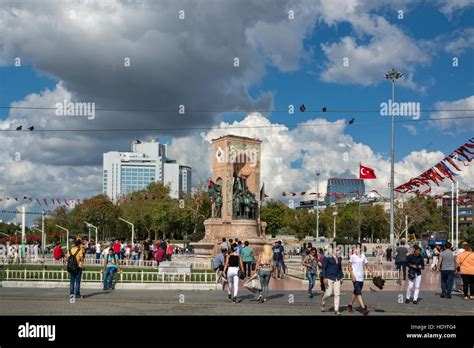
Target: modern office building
(465, 207)
(341, 190)
(126, 172)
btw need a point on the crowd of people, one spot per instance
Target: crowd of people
(110, 255)
(237, 260)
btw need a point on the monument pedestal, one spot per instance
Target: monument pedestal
(245, 230)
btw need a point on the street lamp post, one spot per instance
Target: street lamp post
(95, 227)
(317, 205)
(133, 227)
(392, 75)
(67, 235)
(334, 214)
(42, 239)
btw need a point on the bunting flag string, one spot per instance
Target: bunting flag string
(445, 169)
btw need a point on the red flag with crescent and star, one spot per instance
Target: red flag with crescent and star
(366, 172)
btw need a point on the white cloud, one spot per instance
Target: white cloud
(387, 47)
(448, 7)
(319, 148)
(463, 40)
(411, 129)
(465, 119)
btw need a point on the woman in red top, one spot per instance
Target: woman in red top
(58, 252)
(169, 251)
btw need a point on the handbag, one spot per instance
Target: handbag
(253, 283)
(411, 274)
(241, 274)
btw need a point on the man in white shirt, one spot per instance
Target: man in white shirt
(357, 265)
(105, 252)
(97, 251)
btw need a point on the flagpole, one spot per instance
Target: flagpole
(452, 213)
(358, 239)
(457, 213)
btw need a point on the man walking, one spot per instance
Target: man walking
(75, 264)
(447, 266)
(97, 251)
(278, 257)
(357, 265)
(400, 260)
(388, 254)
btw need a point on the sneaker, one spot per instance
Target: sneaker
(234, 300)
(415, 302)
(337, 313)
(407, 301)
(442, 296)
(350, 309)
(229, 297)
(310, 295)
(105, 289)
(71, 296)
(448, 296)
(365, 311)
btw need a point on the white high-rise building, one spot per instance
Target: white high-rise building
(126, 172)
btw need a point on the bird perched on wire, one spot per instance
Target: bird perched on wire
(325, 109)
(31, 128)
(351, 121)
(19, 128)
(302, 108)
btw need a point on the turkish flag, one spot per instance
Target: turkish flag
(366, 173)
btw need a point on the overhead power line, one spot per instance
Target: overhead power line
(357, 123)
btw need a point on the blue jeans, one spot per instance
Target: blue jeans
(264, 281)
(311, 280)
(109, 273)
(447, 280)
(75, 283)
(97, 256)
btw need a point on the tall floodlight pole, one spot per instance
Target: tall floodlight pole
(317, 205)
(392, 75)
(133, 227)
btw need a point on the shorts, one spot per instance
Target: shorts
(358, 287)
(279, 264)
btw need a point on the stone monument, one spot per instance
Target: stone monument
(235, 190)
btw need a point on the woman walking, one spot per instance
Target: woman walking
(465, 261)
(332, 272)
(233, 263)
(434, 263)
(310, 263)
(265, 266)
(415, 263)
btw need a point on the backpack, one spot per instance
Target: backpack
(72, 265)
